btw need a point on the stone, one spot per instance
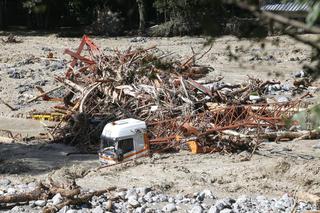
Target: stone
(226, 211)
(242, 199)
(11, 190)
(148, 210)
(22, 186)
(72, 211)
(141, 200)
(148, 197)
(163, 198)
(213, 209)
(131, 193)
(208, 193)
(317, 146)
(98, 209)
(286, 87)
(122, 194)
(224, 203)
(133, 202)
(179, 197)
(17, 209)
(196, 209)
(300, 74)
(171, 200)
(57, 199)
(138, 39)
(32, 204)
(155, 199)
(40, 203)
(5, 182)
(56, 65)
(185, 200)
(142, 191)
(254, 98)
(64, 209)
(169, 208)
(85, 210)
(201, 196)
(140, 209)
(282, 99)
(107, 205)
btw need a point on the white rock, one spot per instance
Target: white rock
(171, 200)
(243, 198)
(179, 197)
(254, 98)
(64, 209)
(208, 193)
(317, 146)
(57, 199)
(133, 202)
(213, 209)
(107, 205)
(169, 208)
(122, 194)
(98, 209)
(226, 211)
(143, 190)
(72, 211)
(11, 191)
(32, 185)
(140, 209)
(17, 209)
(196, 209)
(5, 182)
(131, 192)
(40, 203)
(32, 204)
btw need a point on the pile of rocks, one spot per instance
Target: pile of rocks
(146, 199)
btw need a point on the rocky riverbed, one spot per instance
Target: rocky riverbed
(146, 200)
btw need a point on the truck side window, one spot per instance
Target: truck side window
(126, 145)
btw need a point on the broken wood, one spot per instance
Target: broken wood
(44, 94)
(81, 199)
(37, 194)
(8, 105)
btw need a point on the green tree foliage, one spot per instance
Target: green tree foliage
(191, 16)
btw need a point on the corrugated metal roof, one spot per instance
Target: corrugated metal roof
(287, 7)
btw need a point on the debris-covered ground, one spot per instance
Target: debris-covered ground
(278, 177)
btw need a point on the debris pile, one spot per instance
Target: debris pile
(170, 95)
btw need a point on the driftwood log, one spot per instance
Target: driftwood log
(81, 199)
(276, 136)
(38, 194)
(70, 192)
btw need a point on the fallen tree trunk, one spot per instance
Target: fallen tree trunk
(37, 194)
(276, 136)
(81, 199)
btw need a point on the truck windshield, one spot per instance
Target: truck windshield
(107, 142)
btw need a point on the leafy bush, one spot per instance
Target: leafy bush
(106, 23)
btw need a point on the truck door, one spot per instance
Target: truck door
(125, 147)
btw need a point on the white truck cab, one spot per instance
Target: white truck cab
(123, 140)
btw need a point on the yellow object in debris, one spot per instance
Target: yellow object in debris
(47, 116)
(193, 145)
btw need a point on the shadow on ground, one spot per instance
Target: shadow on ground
(40, 158)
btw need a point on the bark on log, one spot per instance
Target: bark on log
(36, 194)
(77, 201)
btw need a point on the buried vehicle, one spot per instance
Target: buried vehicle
(123, 140)
(128, 139)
